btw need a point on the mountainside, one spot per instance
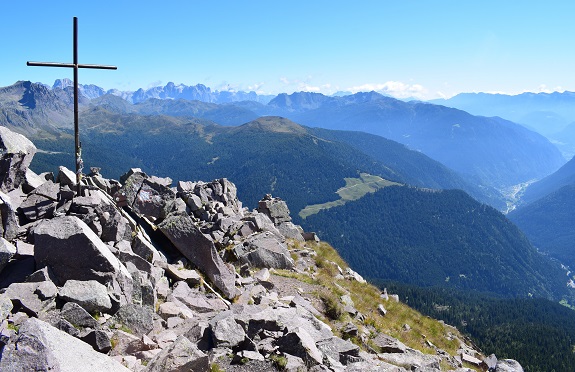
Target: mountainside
(491, 151)
(462, 244)
(549, 223)
(547, 113)
(268, 155)
(562, 177)
(36, 110)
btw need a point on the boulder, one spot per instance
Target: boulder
(5, 306)
(181, 355)
(16, 155)
(138, 319)
(8, 218)
(300, 344)
(508, 365)
(412, 360)
(24, 297)
(90, 294)
(194, 299)
(200, 250)
(226, 332)
(99, 340)
(7, 250)
(264, 250)
(383, 343)
(32, 181)
(275, 208)
(74, 252)
(291, 231)
(154, 199)
(42, 347)
(340, 350)
(66, 177)
(77, 316)
(41, 202)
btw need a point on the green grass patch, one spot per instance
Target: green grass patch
(354, 189)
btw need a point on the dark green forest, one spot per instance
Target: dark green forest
(438, 238)
(550, 224)
(538, 333)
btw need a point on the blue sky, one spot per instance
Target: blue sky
(426, 49)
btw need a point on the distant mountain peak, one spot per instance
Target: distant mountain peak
(276, 124)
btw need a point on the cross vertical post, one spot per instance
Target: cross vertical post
(75, 65)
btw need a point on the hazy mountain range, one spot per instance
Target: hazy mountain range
(550, 114)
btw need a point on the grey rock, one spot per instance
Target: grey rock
(177, 274)
(32, 181)
(310, 237)
(383, 343)
(194, 202)
(66, 177)
(16, 155)
(7, 250)
(275, 208)
(8, 218)
(89, 294)
(300, 343)
(125, 343)
(142, 246)
(78, 316)
(412, 359)
(264, 250)
(200, 250)
(5, 306)
(64, 325)
(471, 360)
(138, 319)
(181, 355)
(508, 365)
(41, 202)
(42, 275)
(340, 350)
(291, 231)
(132, 182)
(194, 299)
(23, 295)
(185, 186)
(382, 311)
(350, 330)
(99, 340)
(226, 332)
(154, 200)
(294, 364)
(173, 309)
(42, 347)
(24, 249)
(74, 252)
(46, 290)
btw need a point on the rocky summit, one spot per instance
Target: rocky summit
(141, 275)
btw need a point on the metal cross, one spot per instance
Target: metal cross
(75, 65)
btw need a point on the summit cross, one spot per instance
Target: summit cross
(75, 65)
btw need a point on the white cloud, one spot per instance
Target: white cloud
(396, 89)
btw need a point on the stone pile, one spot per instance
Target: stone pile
(138, 275)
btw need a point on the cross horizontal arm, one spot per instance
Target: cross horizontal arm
(71, 65)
